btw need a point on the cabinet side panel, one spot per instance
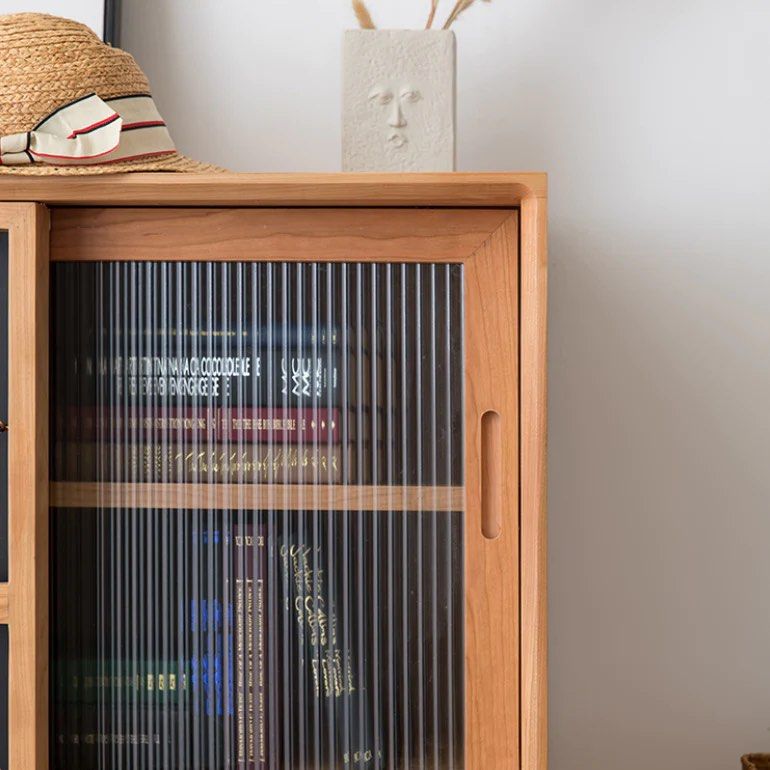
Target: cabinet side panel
(491, 568)
(534, 645)
(28, 488)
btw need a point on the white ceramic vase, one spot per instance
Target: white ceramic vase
(398, 100)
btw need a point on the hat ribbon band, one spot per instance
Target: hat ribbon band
(91, 131)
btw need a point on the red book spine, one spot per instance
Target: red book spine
(252, 425)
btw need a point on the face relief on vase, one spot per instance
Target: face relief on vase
(399, 100)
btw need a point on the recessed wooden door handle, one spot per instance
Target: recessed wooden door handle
(491, 475)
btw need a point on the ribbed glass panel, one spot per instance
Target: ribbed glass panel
(257, 544)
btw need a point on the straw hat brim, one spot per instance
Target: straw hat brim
(172, 163)
(47, 63)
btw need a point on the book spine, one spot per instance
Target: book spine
(253, 425)
(327, 669)
(206, 622)
(138, 740)
(250, 464)
(211, 675)
(276, 337)
(93, 680)
(289, 380)
(249, 568)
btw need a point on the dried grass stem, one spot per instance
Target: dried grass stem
(460, 6)
(365, 20)
(432, 15)
(362, 14)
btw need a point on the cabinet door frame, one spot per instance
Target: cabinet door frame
(518, 202)
(487, 243)
(24, 598)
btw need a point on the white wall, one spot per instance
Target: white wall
(652, 120)
(90, 12)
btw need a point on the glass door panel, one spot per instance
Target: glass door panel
(258, 529)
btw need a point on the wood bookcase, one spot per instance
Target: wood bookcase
(492, 224)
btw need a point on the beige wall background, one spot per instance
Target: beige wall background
(653, 122)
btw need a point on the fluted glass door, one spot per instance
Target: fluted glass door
(257, 526)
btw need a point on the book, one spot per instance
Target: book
(249, 570)
(214, 424)
(247, 336)
(173, 463)
(113, 697)
(328, 676)
(254, 379)
(119, 681)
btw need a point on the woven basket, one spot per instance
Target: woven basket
(755, 762)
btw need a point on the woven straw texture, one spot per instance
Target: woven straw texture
(46, 62)
(755, 762)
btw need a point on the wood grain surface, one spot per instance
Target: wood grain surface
(404, 235)
(451, 189)
(290, 497)
(494, 223)
(492, 565)
(533, 397)
(27, 484)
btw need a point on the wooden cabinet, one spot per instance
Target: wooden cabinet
(276, 471)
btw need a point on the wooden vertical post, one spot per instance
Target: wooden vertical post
(492, 548)
(534, 614)
(27, 418)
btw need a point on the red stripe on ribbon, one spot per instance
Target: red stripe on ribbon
(144, 124)
(79, 157)
(94, 126)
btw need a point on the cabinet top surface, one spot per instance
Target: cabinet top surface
(229, 189)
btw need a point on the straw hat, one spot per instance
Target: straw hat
(70, 104)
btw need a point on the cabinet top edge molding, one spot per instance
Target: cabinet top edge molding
(229, 189)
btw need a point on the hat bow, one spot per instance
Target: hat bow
(91, 131)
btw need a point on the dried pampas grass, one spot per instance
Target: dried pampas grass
(460, 6)
(365, 19)
(432, 15)
(362, 14)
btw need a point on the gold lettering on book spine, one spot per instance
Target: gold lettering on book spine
(330, 666)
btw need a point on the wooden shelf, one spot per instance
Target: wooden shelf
(352, 189)
(291, 497)
(4, 593)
